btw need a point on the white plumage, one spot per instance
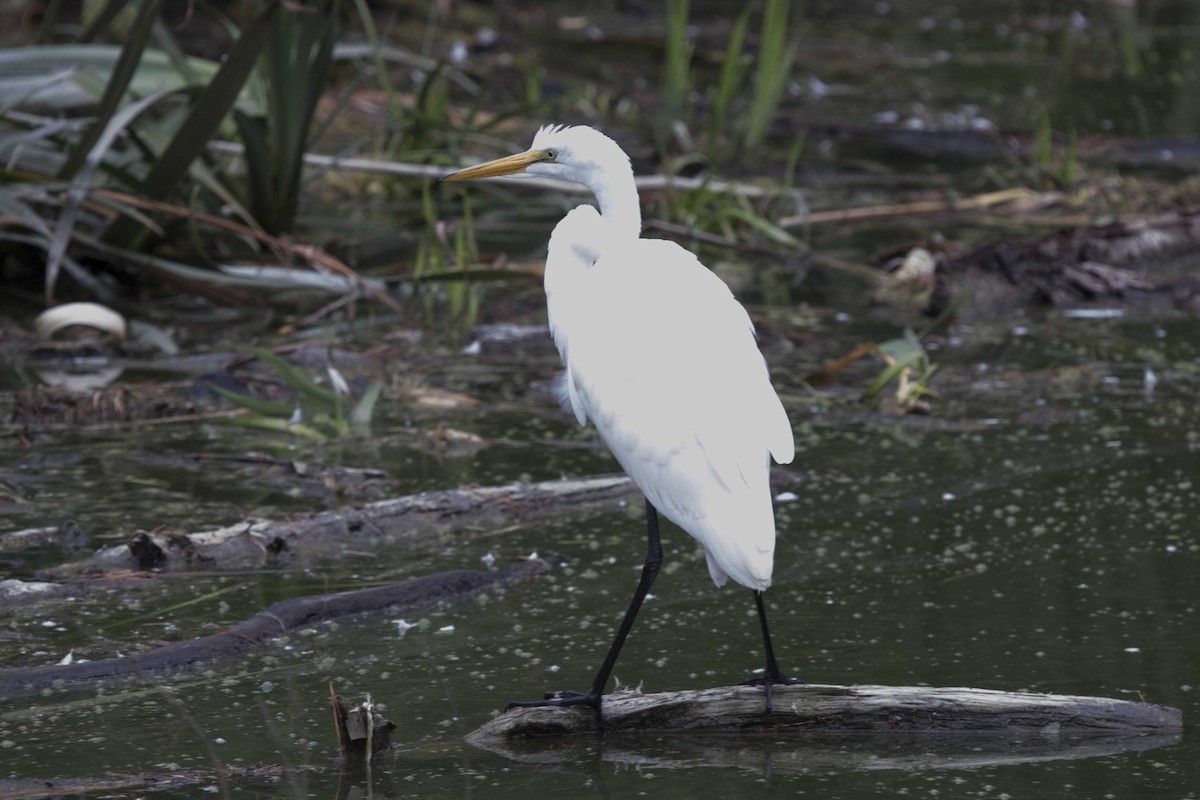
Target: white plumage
(662, 359)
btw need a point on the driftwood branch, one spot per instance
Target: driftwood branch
(818, 708)
(412, 521)
(266, 625)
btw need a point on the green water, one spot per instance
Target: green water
(1038, 532)
(1039, 535)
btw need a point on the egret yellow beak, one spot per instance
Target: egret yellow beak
(508, 165)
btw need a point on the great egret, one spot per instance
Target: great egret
(662, 359)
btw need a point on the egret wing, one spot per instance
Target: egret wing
(681, 395)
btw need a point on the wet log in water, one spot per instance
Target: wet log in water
(411, 521)
(114, 784)
(266, 625)
(818, 708)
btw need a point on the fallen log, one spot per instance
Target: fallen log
(277, 620)
(820, 708)
(413, 522)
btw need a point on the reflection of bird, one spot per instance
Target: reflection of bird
(662, 359)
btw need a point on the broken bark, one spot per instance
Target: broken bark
(411, 521)
(361, 730)
(266, 625)
(818, 708)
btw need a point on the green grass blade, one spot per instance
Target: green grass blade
(118, 83)
(365, 408)
(773, 71)
(102, 20)
(267, 408)
(277, 424)
(891, 372)
(678, 59)
(205, 116)
(82, 181)
(292, 377)
(733, 72)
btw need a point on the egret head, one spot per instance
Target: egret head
(581, 155)
(571, 153)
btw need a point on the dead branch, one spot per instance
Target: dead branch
(410, 522)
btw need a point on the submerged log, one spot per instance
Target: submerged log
(115, 784)
(412, 521)
(268, 624)
(819, 708)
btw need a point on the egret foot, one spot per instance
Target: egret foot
(567, 697)
(769, 682)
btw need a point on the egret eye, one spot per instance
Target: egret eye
(551, 155)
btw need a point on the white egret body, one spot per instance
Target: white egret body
(662, 359)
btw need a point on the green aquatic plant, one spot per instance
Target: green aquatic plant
(729, 83)
(740, 110)
(315, 413)
(773, 70)
(294, 66)
(676, 66)
(154, 115)
(908, 364)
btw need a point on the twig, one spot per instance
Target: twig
(914, 208)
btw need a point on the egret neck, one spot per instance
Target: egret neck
(615, 188)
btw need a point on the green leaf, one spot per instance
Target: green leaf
(82, 182)
(733, 72)
(118, 83)
(58, 77)
(365, 408)
(292, 377)
(102, 20)
(893, 370)
(204, 117)
(277, 424)
(269, 408)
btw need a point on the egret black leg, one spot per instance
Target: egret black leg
(592, 697)
(773, 674)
